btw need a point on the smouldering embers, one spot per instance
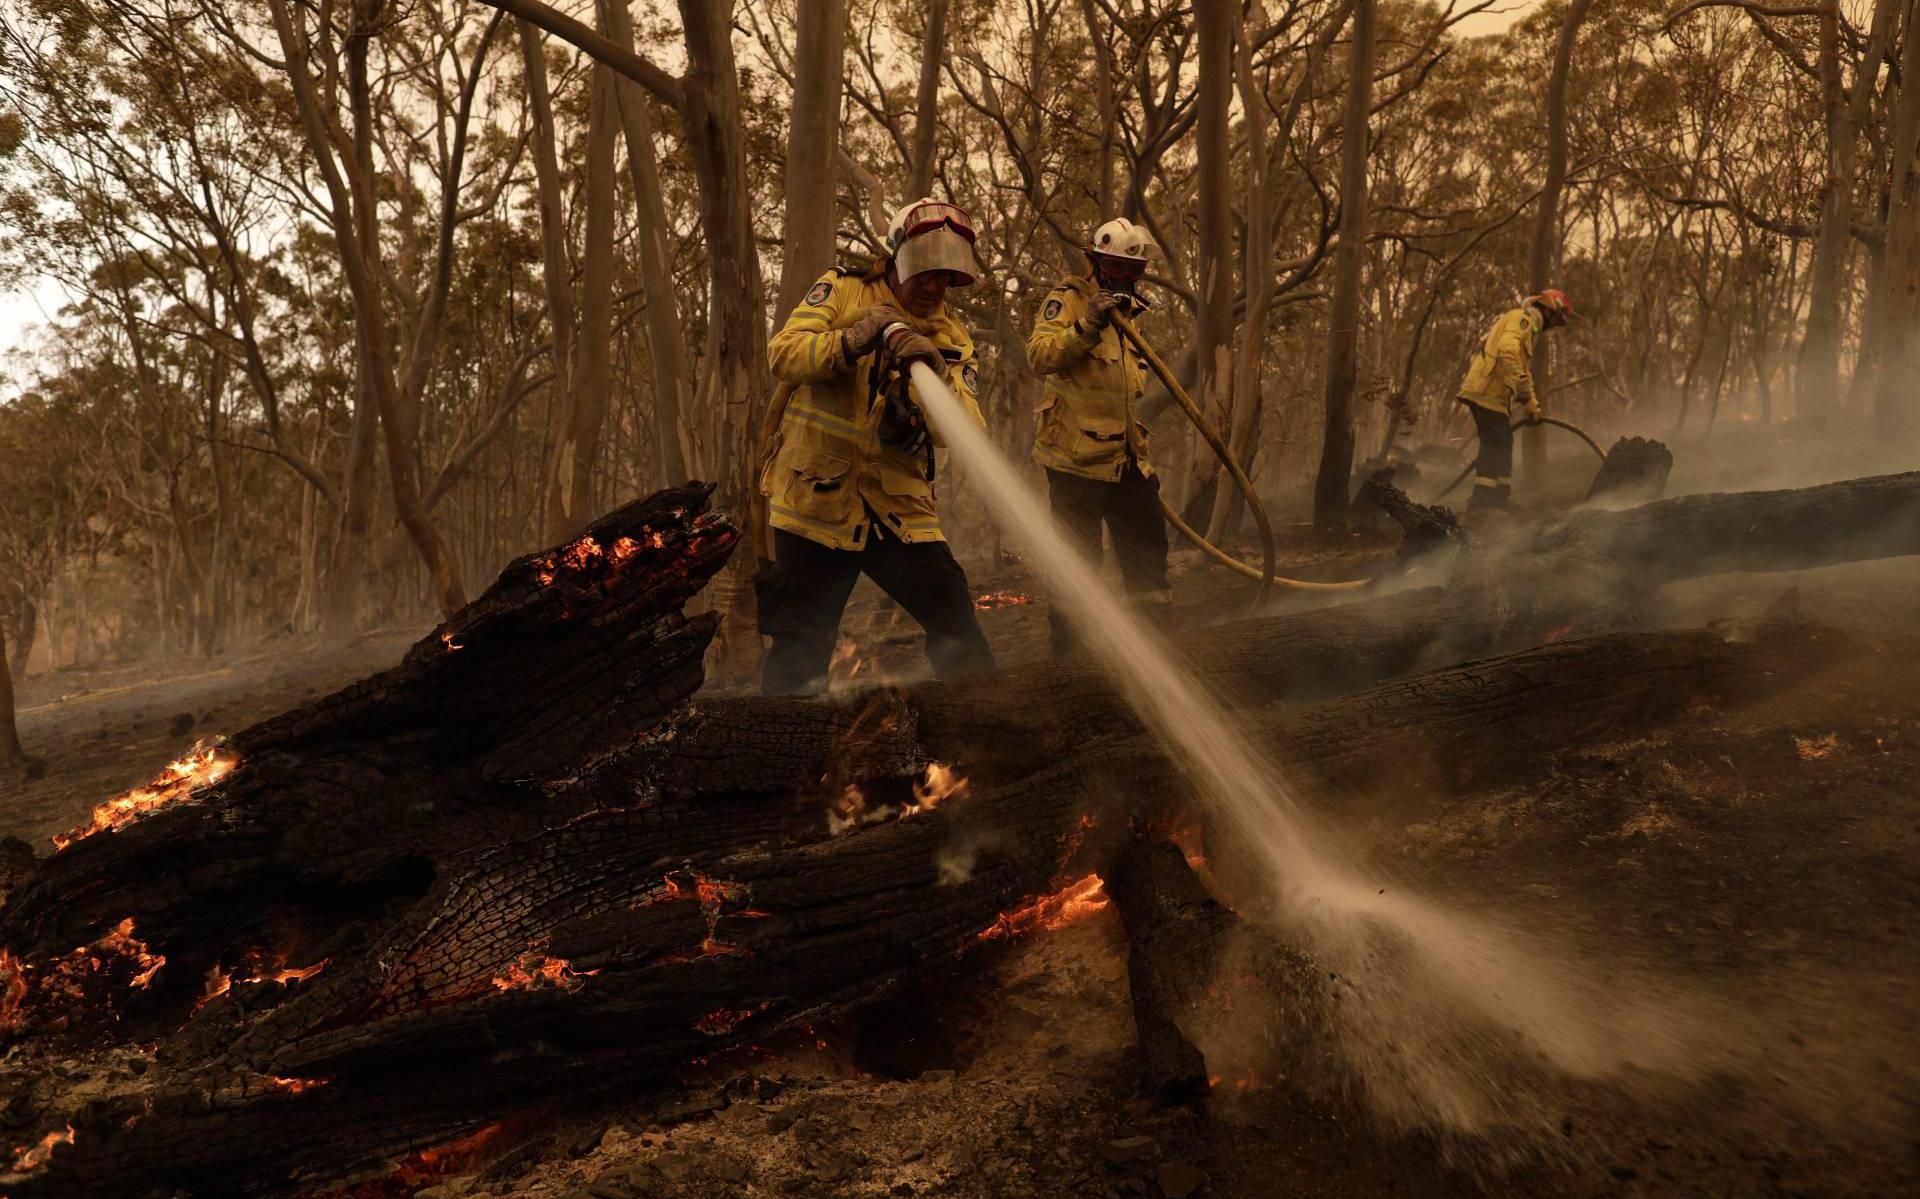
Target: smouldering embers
(205, 764)
(587, 554)
(937, 783)
(1078, 900)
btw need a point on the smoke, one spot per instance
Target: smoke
(1448, 1015)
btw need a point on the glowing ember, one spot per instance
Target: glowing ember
(447, 640)
(535, 969)
(1074, 902)
(724, 1021)
(938, 783)
(988, 601)
(294, 1086)
(849, 810)
(623, 548)
(205, 764)
(1812, 749)
(35, 1156)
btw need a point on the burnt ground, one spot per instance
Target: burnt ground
(1769, 855)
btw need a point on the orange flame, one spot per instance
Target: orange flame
(938, 783)
(203, 765)
(294, 1086)
(536, 968)
(1812, 749)
(13, 991)
(447, 640)
(1074, 902)
(121, 940)
(219, 982)
(35, 1156)
(623, 548)
(298, 974)
(989, 600)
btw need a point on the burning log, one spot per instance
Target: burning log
(526, 866)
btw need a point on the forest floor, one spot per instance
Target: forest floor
(1769, 853)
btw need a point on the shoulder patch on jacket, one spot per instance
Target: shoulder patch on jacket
(1051, 310)
(819, 293)
(970, 375)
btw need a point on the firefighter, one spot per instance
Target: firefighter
(848, 476)
(1086, 434)
(1500, 373)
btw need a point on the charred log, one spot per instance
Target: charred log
(1635, 471)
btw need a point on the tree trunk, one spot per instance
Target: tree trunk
(11, 752)
(1331, 484)
(556, 269)
(1215, 21)
(1546, 224)
(927, 100)
(666, 338)
(347, 560)
(355, 231)
(813, 132)
(736, 349)
(1898, 304)
(592, 381)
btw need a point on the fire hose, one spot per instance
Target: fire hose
(1522, 423)
(1265, 574)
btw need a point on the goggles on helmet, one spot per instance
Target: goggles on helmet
(933, 236)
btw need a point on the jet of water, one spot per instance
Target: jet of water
(1437, 992)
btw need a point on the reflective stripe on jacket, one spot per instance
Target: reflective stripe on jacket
(1094, 385)
(825, 468)
(1502, 368)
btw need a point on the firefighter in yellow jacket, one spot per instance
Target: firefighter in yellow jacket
(1087, 434)
(848, 476)
(1500, 374)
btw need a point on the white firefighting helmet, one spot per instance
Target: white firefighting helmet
(929, 235)
(1121, 238)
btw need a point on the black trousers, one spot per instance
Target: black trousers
(1129, 509)
(1493, 467)
(803, 592)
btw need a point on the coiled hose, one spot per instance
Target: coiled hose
(1265, 574)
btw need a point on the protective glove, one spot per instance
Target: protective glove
(1533, 409)
(904, 346)
(865, 333)
(1100, 310)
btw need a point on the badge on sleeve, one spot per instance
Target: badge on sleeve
(820, 293)
(970, 375)
(1050, 311)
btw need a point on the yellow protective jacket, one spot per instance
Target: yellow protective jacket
(1094, 385)
(825, 469)
(1501, 370)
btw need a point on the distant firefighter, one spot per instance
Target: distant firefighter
(848, 476)
(1088, 435)
(1500, 373)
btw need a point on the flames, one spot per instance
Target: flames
(13, 989)
(535, 969)
(203, 765)
(121, 941)
(1813, 749)
(36, 1155)
(937, 783)
(446, 639)
(219, 982)
(1072, 903)
(987, 601)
